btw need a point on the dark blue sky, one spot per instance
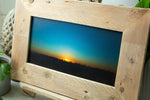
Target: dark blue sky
(86, 45)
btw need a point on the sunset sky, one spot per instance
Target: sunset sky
(76, 43)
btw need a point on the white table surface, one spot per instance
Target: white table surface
(16, 94)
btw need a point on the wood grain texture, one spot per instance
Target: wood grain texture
(87, 13)
(133, 50)
(43, 92)
(64, 84)
(133, 22)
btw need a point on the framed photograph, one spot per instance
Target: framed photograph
(82, 50)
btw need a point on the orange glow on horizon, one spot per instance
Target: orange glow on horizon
(67, 60)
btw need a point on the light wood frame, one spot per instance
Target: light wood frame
(133, 22)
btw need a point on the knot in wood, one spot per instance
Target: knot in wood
(47, 75)
(92, 0)
(23, 20)
(25, 71)
(85, 91)
(131, 60)
(48, 1)
(112, 98)
(31, 1)
(86, 97)
(121, 89)
(21, 31)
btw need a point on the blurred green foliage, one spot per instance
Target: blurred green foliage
(4, 70)
(143, 4)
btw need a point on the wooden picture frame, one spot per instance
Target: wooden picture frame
(133, 22)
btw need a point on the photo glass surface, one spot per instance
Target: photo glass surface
(83, 51)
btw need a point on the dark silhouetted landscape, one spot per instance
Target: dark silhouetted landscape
(75, 69)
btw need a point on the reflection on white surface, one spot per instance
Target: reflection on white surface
(130, 3)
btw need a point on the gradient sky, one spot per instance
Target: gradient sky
(86, 45)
